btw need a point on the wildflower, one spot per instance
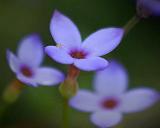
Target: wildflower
(110, 99)
(146, 8)
(71, 50)
(27, 65)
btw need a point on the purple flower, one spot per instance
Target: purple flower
(110, 99)
(149, 6)
(27, 65)
(71, 50)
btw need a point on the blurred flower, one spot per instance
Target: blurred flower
(26, 65)
(146, 8)
(71, 50)
(110, 99)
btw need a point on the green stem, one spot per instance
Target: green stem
(65, 113)
(3, 107)
(12, 92)
(10, 95)
(131, 23)
(68, 89)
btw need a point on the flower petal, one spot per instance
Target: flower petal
(103, 41)
(64, 31)
(49, 76)
(105, 119)
(59, 55)
(13, 61)
(28, 81)
(139, 99)
(91, 64)
(31, 50)
(112, 80)
(85, 101)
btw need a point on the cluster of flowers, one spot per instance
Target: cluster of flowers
(110, 98)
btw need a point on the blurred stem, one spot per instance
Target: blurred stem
(68, 89)
(131, 23)
(10, 95)
(12, 92)
(65, 123)
(3, 107)
(73, 72)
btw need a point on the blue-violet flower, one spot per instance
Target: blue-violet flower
(71, 50)
(110, 99)
(27, 65)
(146, 8)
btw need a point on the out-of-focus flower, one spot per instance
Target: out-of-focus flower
(110, 99)
(27, 65)
(71, 50)
(146, 8)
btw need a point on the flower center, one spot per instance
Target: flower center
(26, 71)
(109, 103)
(78, 54)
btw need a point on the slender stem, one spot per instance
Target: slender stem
(12, 92)
(3, 107)
(131, 23)
(73, 72)
(65, 113)
(10, 95)
(68, 89)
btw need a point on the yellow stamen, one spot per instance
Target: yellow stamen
(59, 45)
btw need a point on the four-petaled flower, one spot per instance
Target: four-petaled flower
(110, 99)
(71, 50)
(26, 65)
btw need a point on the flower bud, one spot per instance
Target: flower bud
(68, 88)
(12, 92)
(142, 10)
(146, 8)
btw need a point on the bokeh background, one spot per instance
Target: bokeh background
(42, 107)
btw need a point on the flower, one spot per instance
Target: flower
(27, 65)
(110, 99)
(71, 50)
(148, 7)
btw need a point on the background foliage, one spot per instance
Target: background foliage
(139, 52)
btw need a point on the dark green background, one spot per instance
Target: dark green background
(139, 52)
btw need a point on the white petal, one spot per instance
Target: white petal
(91, 64)
(64, 31)
(59, 55)
(139, 99)
(31, 50)
(105, 119)
(13, 61)
(26, 80)
(49, 76)
(112, 80)
(85, 101)
(103, 41)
